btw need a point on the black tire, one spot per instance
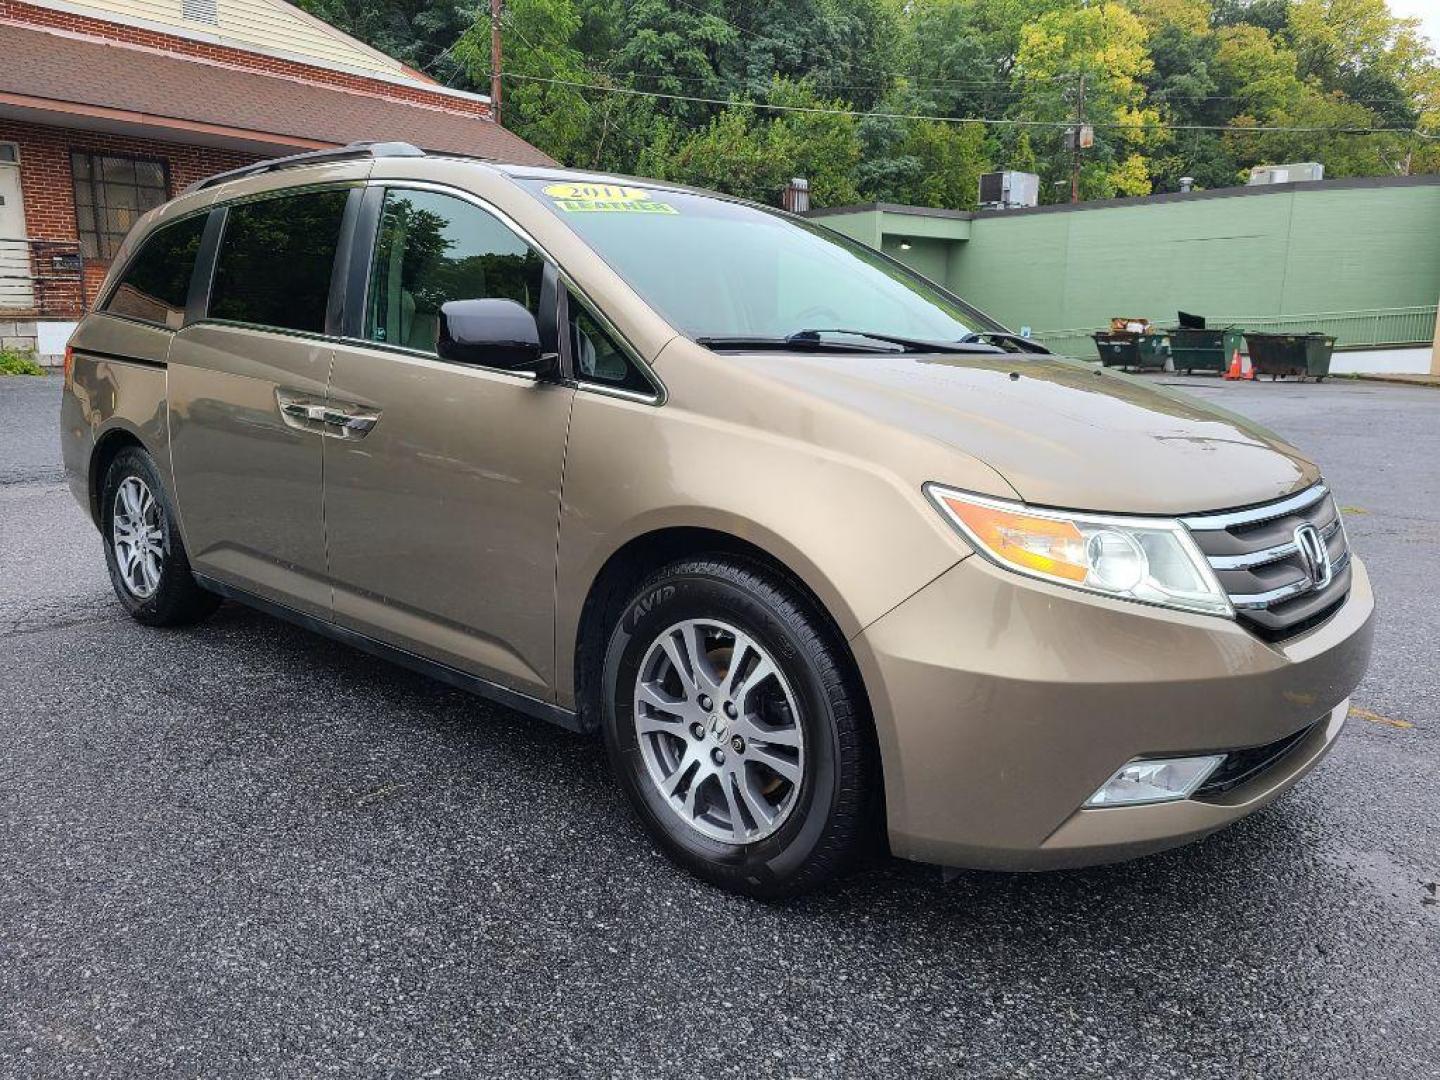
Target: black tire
(177, 599)
(835, 811)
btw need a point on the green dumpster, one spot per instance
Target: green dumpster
(1202, 349)
(1278, 355)
(1127, 349)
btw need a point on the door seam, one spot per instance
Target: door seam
(324, 494)
(555, 580)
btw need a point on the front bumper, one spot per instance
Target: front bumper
(1002, 703)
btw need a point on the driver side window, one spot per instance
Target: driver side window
(432, 249)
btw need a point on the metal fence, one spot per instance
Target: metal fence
(1378, 327)
(41, 277)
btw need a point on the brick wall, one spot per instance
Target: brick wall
(48, 188)
(28, 14)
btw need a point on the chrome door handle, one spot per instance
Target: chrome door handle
(302, 411)
(354, 422)
(299, 412)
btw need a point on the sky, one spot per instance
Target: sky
(1427, 11)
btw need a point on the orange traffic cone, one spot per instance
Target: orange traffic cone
(1240, 367)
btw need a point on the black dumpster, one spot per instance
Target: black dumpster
(1278, 355)
(1127, 349)
(1196, 347)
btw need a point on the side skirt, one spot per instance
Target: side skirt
(501, 695)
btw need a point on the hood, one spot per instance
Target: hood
(1062, 433)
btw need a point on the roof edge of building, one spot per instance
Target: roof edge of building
(421, 84)
(1238, 191)
(207, 61)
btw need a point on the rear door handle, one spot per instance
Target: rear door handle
(341, 421)
(304, 411)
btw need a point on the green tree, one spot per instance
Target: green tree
(1174, 88)
(748, 152)
(1106, 46)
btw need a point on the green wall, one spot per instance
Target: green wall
(1303, 249)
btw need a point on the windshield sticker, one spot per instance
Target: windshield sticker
(606, 198)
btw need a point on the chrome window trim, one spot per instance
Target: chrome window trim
(1256, 514)
(510, 223)
(421, 354)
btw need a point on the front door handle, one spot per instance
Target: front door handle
(352, 421)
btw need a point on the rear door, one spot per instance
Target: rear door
(247, 391)
(441, 506)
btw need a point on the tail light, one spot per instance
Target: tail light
(69, 367)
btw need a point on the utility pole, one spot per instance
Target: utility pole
(1075, 140)
(495, 91)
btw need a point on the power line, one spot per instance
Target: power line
(998, 121)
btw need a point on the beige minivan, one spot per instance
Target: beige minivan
(822, 552)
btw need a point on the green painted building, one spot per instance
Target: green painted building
(1357, 258)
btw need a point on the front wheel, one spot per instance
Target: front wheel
(148, 565)
(738, 729)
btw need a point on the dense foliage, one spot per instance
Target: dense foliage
(1173, 88)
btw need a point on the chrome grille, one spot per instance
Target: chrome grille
(1258, 558)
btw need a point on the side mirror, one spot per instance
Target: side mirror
(492, 333)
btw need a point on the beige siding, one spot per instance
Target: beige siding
(271, 25)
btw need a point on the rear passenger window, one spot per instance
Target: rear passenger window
(433, 249)
(275, 261)
(156, 283)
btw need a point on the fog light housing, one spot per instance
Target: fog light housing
(1153, 780)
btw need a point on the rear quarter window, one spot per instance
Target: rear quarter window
(156, 283)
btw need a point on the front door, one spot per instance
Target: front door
(16, 288)
(441, 510)
(246, 393)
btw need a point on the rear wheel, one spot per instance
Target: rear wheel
(149, 568)
(737, 730)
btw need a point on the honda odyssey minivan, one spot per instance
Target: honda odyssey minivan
(819, 550)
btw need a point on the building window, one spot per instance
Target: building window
(111, 193)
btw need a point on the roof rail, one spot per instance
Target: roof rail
(313, 157)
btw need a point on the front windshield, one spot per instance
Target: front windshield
(718, 269)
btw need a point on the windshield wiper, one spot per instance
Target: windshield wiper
(792, 343)
(909, 345)
(810, 340)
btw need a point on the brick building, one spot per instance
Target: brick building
(109, 107)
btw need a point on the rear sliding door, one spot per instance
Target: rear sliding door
(247, 390)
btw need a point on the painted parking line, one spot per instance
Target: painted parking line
(1377, 718)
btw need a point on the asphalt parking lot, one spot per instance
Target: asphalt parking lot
(242, 850)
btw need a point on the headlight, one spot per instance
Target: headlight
(1152, 560)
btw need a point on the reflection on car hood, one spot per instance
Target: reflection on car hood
(1064, 433)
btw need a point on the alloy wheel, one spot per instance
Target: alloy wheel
(138, 533)
(719, 731)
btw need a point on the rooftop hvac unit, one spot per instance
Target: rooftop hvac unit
(1286, 174)
(1009, 190)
